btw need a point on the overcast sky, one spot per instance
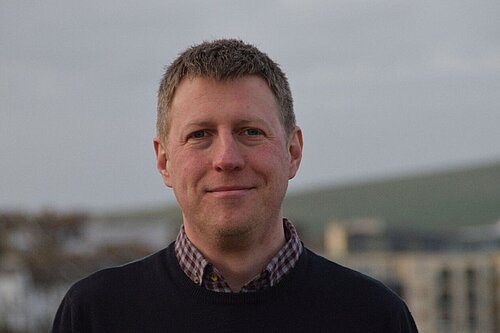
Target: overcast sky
(381, 88)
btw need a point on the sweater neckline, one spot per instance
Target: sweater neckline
(288, 285)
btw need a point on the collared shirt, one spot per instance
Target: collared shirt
(203, 273)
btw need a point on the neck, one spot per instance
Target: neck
(240, 259)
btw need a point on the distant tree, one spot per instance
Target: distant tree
(46, 256)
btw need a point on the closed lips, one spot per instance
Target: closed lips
(229, 188)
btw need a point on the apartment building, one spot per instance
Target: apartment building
(448, 290)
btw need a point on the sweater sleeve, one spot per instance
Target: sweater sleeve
(402, 320)
(68, 317)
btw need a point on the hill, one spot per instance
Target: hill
(469, 196)
(435, 200)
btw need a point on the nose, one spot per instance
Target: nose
(227, 155)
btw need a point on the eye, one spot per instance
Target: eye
(252, 131)
(198, 134)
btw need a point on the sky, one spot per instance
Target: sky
(381, 88)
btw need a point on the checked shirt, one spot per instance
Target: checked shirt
(203, 273)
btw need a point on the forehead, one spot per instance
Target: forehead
(202, 97)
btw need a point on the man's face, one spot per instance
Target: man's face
(227, 156)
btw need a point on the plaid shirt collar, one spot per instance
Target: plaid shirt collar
(203, 273)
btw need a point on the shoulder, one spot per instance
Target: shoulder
(357, 295)
(354, 287)
(329, 274)
(112, 282)
(110, 294)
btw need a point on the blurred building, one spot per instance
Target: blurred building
(450, 281)
(41, 256)
(12, 300)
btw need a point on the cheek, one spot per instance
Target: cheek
(186, 169)
(272, 161)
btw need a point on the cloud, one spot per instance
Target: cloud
(379, 86)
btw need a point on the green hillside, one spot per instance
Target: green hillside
(468, 196)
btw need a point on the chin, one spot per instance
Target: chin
(234, 238)
(233, 227)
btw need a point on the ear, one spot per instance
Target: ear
(295, 151)
(162, 161)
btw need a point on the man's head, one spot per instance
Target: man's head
(227, 142)
(224, 60)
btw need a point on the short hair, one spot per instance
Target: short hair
(223, 59)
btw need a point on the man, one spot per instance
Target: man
(227, 144)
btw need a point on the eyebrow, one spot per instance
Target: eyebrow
(199, 123)
(209, 123)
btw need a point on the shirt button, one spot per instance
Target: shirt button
(213, 277)
(196, 280)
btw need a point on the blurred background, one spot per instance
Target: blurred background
(398, 101)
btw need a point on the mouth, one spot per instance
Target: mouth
(229, 191)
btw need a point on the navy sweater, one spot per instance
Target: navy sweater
(154, 295)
